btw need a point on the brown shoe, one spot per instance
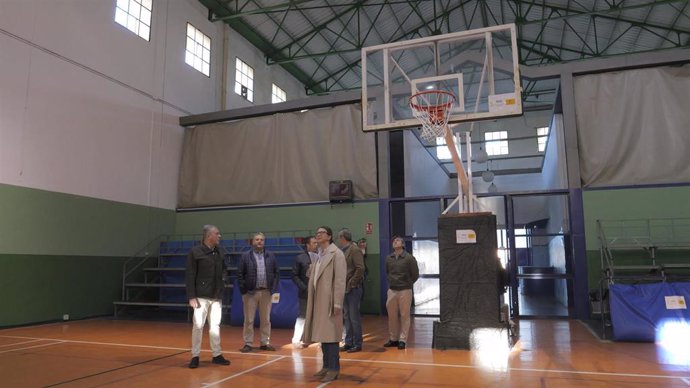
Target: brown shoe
(321, 373)
(330, 376)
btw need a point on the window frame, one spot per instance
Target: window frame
(496, 145)
(133, 17)
(542, 138)
(276, 98)
(238, 83)
(200, 54)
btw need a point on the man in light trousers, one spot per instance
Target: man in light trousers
(402, 272)
(204, 283)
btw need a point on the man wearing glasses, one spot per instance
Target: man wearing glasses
(326, 291)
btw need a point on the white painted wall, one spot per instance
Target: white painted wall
(89, 108)
(264, 75)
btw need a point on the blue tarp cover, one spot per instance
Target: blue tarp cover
(637, 310)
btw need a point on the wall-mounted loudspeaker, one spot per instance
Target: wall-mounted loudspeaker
(340, 191)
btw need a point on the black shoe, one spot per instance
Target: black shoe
(345, 348)
(401, 345)
(194, 363)
(267, 347)
(355, 349)
(246, 349)
(220, 360)
(390, 344)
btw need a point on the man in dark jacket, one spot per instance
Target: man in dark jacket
(204, 281)
(353, 292)
(257, 276)
(402, 271)
(300, 276)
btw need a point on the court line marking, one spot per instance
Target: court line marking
(113, 370)
(68, 322)
(138, 346)
(19, 343)
(243, 372)
(372, 361)
(31, 347)
(685, 380)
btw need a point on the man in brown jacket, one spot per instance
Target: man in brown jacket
(324, 321)
(353, 292)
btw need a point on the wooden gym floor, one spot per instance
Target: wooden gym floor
(107, 352)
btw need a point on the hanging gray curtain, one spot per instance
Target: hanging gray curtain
(634, 126)
(281, 158)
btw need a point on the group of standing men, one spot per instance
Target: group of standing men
(330, 281)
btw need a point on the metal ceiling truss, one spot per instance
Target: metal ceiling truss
(609, 27)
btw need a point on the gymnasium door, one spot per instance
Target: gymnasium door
(533, 243)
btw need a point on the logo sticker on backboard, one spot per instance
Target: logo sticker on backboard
(465, 236)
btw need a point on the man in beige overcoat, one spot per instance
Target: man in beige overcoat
(326, 291)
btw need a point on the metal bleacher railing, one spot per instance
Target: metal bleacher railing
(649, 235)
(154, 277)
(621, 241)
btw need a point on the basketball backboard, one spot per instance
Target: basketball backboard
(480, 67)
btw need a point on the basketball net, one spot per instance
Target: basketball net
(432, 109)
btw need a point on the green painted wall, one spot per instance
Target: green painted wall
(39, 288)
(63, 254)
(303, 218)
(637, 203)
(38, 222)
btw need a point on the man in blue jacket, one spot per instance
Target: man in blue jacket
(204, 281)
(257, 276)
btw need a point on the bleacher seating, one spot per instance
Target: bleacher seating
(157, 283)
(640, 251)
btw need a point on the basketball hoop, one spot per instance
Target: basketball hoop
(432, 109)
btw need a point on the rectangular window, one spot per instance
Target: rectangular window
(442, 152)
(542, 137)
(521, 239)
(198, 51)
(135, 15)
(244, 80)
(277, 94)
(496, 143)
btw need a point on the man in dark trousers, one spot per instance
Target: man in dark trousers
(257, 276)
(300, 276)
(204, 281)
(353, 292)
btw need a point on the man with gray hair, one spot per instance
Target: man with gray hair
(353, 292)
(257, 277)
(204, 282)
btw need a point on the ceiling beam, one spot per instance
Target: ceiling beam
(257, 40)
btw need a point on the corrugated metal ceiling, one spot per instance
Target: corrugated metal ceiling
(319, 41)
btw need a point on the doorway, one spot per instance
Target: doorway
(534, 244)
